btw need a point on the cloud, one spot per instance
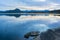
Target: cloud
(39, 0)
(41, 5)
(30, 4)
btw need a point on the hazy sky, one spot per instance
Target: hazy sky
(30, 4)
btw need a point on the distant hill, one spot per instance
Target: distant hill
(30, 11)
(55, 11)
(11, 11)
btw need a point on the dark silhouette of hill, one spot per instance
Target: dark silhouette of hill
(35, 11)
(30, 11)
(11, 11)
(55, 11)
(26, 11)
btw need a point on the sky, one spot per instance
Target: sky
(16, 27)
(30, 4)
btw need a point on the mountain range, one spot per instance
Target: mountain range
(30, 11)
(17, 12)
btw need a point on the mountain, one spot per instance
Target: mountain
(55, 11)
(36, 11)
(11, 11)
(30, 11)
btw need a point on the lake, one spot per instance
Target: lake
(15, 28)
(31, 14)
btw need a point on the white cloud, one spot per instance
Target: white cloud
(50, 6)
(29, 4)
(43, 5)
(39, 0)
(53, 6)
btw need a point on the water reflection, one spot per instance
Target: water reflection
(12, 28)
(30, 14)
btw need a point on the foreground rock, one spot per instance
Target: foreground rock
(48, 35)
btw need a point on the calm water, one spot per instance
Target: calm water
(16, 28)
(32, 14)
